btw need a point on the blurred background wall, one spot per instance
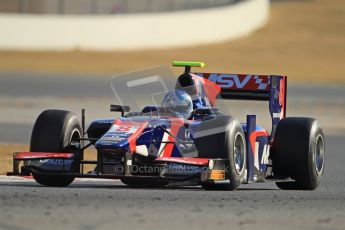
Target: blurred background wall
(126, 24)
(303, 39)
(106, 6)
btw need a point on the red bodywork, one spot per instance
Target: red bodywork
(41, 155)
(185, 160)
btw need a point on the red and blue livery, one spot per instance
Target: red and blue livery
(186, 141)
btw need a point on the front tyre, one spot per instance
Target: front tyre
(55, 131)
(234, 149)
(53, 180)
(299, 153)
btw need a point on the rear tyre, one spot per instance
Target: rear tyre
(233, 148)
(299, 153)
(55, 131)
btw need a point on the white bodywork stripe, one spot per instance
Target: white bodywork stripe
(162, 146)
(256, 155)
(142, 150)
(265, 154)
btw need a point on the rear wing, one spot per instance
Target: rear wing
(270, 88)
(244, 86)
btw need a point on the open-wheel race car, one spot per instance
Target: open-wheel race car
(182, 140)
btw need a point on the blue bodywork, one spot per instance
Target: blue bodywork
(153, 129)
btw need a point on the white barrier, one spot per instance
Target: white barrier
(132, 31)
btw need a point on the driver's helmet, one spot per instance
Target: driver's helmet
(178, 102)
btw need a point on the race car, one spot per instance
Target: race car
(184, 140)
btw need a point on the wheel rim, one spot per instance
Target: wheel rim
(74, 142)
(319, 155)
(239, 154)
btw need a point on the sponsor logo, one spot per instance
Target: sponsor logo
(238, 81)
(56, 162)
(104, 121)
(119, 133)
(110, 138)
(261, 82)
(265, 155)
(229, 80)
(123, 129)
(217, 175)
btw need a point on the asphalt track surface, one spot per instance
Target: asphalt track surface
(100, 204)
(111, 205)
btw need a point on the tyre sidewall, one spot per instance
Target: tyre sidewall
(313, 179)
(234, 129)
(293, 152)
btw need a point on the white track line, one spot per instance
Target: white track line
(4, 179)
(7, 179)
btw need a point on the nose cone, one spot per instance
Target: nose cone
(121, 135)
(110, 141)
